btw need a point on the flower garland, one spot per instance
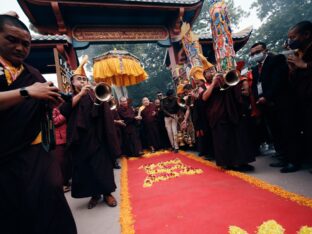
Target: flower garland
(269, 227)
(163, 171)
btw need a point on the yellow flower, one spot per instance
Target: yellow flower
(305, 230)
(271, 227)
(236, 230)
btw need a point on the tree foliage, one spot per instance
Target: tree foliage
(278, 16)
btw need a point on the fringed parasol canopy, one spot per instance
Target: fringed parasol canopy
(118, 67)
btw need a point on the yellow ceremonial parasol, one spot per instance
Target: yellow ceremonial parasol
(118, 67)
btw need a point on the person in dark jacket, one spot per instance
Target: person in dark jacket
(270, 87)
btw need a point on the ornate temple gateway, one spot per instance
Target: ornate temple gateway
(82, 23)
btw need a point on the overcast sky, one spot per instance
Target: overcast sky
(7, 5)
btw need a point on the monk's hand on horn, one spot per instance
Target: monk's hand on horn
(85, 89)
(217, 79)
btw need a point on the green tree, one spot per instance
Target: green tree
(278, 16)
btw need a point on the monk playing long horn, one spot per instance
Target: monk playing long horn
(227, 111)
(92, 141)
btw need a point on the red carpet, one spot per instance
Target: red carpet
(198, 197)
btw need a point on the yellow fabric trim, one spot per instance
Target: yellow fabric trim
(205, 62)
(8, 77)
(126, 216)
(259, 183)
(38, 139)
(11, 73)
(118, 71)
(197, 73)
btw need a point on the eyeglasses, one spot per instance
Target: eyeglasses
(79, 78)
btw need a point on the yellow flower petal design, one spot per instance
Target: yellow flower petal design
(270, 227)
(236, 230)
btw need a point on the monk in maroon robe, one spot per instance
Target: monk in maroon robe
(31, 194)
(230, 128)
(119, 125)
(201, 125)
(92, 142)
(299, 141)
(160, 118)
(131, 141)
(150, 124)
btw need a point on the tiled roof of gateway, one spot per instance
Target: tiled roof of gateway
(50, 38)
(188, 2)
(236, 35)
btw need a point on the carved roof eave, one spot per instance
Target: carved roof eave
(61, 38)
(50, 41)
(166, 5)
(242, 34)
(134, 3)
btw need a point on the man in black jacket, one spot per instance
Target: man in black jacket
(270, 88)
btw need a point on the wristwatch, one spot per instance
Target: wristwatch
(24, 93)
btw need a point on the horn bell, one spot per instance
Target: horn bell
(103, 92)
(231, 78)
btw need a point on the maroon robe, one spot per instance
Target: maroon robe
(31, 193)
(230, 128)
(150, 126)
(131, 140)
(301, 86)
(202, 129)
(160, 118)
(117, 126)
(93, 143)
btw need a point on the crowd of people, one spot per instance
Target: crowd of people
(229, 125)
(271, 104)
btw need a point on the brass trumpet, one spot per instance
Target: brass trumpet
(230, 78)
(102, 91)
